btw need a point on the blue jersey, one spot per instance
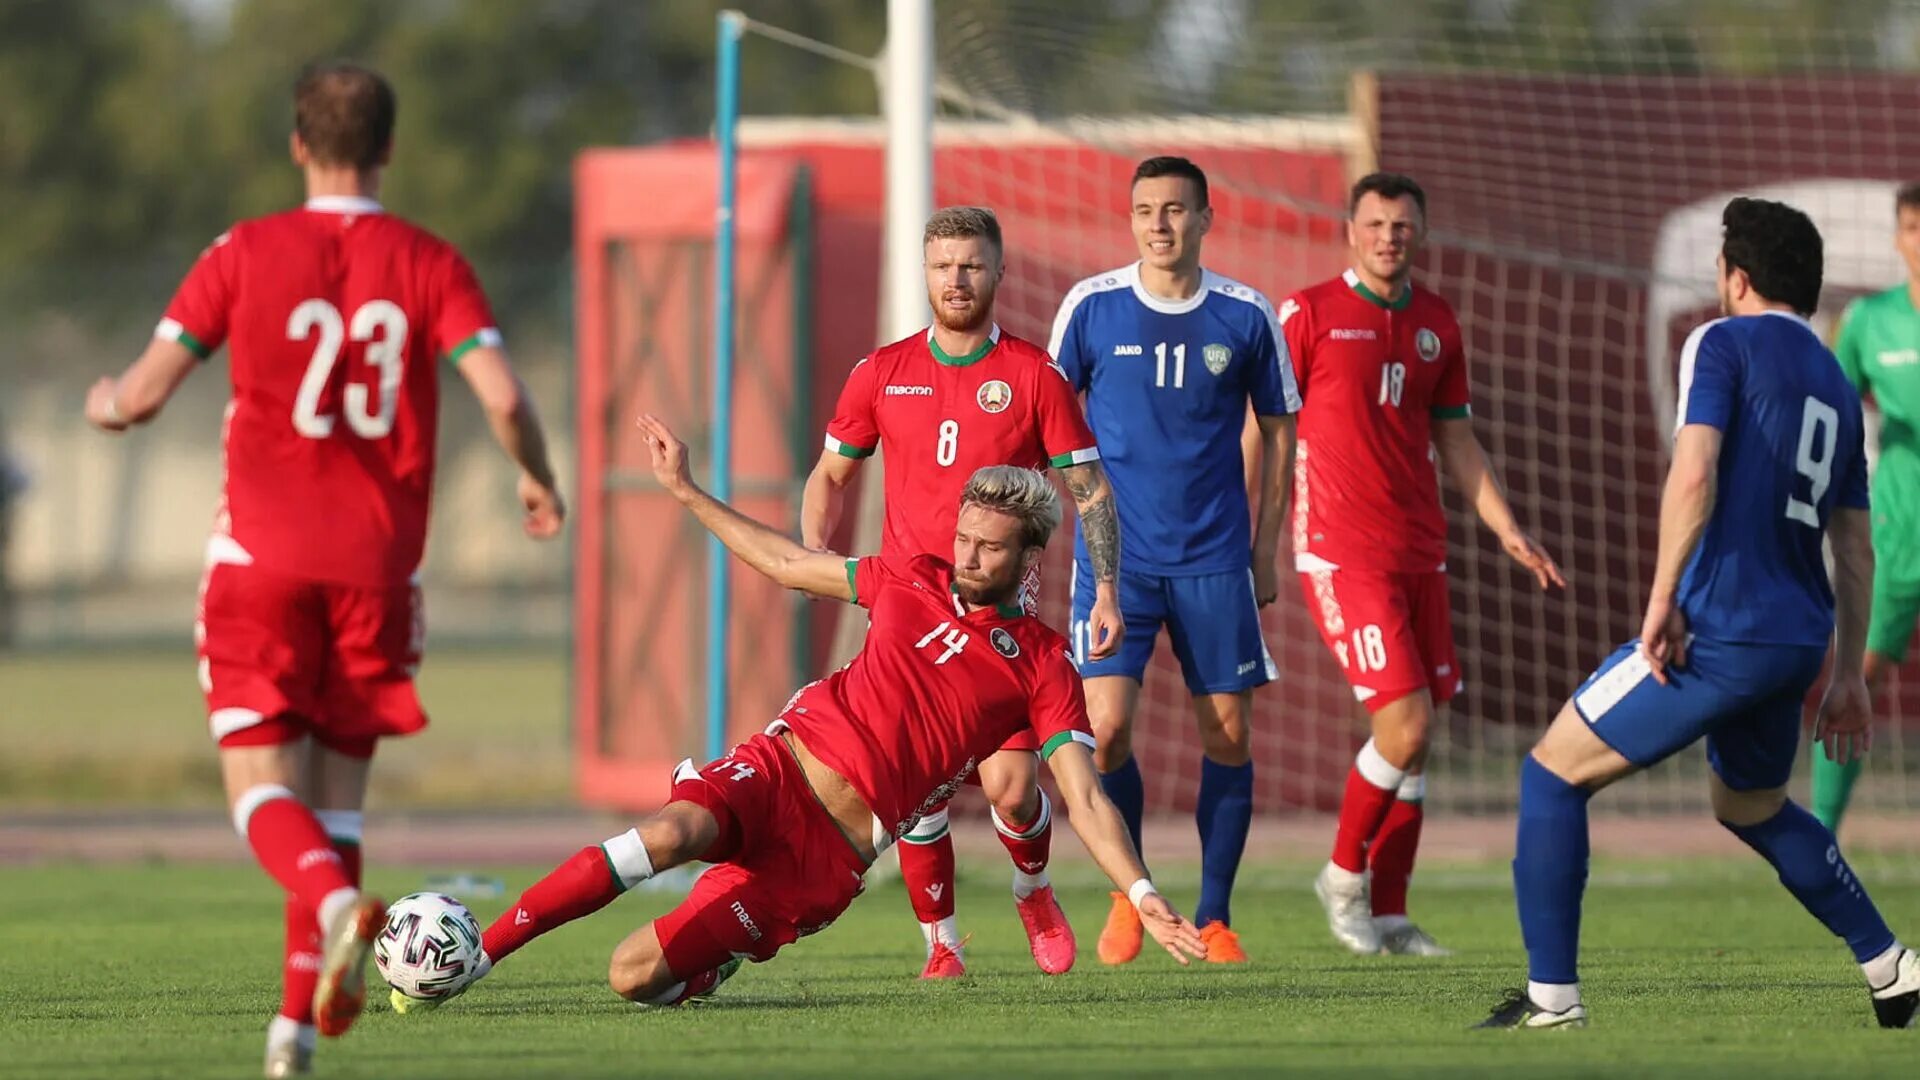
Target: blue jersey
(1792, 450)
(1167, 385)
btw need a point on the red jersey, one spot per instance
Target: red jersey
(943, 417)
(1374, 376)
(335, 314)
(934, 690)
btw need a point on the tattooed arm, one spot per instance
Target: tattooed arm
(1093, 497)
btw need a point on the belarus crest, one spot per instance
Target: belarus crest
(994, 396)
(1217, 358)
(1427, 344)
(1003, 643)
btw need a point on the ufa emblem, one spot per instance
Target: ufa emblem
(1427, 344)
(995, 396)
(1217, 357)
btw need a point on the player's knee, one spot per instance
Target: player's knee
(679, 833)
(1740, 809)
(638, 974)
(1112, 749)
(1012, 782)
(1224, 733)
(1017, 805)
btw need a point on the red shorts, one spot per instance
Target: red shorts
(282, 658)
(1391, 632)
(783, 868)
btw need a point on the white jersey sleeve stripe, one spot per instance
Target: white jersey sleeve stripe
(1234, 290)
(1689, 353)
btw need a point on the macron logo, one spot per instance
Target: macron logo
(1128, 350)
(935, 890)
(1353, 335)
(909, 391)
(746, 921)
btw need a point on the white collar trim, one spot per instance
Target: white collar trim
(1794, 315)
(1163, 305)
(993, 333)
(344, 204)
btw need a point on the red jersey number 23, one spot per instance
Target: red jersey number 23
(378, 324)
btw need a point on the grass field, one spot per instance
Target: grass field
(157, 970)
(87, 728)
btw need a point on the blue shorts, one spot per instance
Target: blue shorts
(1745, 699)
(1213, 619)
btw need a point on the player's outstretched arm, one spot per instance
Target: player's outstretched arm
(1093, 499)
(1472, 474)
(824, 499)
(516, 427)
(1100, 827)
(139, 393)
(760, 546)
(1846, 709)
(1685, 505)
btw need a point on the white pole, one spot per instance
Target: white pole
(907, 100)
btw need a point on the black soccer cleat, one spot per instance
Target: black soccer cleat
(1517, 1011)
(1895, 1003)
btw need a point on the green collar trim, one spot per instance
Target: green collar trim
(942, 356)
(1398, 304)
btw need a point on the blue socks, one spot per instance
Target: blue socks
(1224, 813)
(1804, 853)
(1550, 872)
(1129, 795)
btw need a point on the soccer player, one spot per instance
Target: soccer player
(310, 626)
(952, 666)
(943, 404)
(1768, 457)
(1879, 350)
(1172, 359)
(1384, 375)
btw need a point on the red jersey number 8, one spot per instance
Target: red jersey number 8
(948, 448)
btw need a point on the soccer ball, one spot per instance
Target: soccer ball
(430, 947)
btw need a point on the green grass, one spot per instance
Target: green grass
(172, 971)
(86, 728)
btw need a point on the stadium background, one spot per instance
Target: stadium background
(1563, 144)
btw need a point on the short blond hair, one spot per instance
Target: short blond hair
(1023, 494)
(960, 222)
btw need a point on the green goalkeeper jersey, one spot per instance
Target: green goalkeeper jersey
(1879, 349)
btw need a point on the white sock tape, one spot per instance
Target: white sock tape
(629, 859)
(1377, 770)
(343, 826)
(253, 799)
(928, 829)
(1040, 821)
(1413, 789)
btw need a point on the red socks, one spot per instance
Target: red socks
(580, 886)
(1372, 786)
(290, 844)
(1393, 852)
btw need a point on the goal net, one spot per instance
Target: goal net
(1575, 177)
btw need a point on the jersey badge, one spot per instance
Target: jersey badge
(1003, 643)
(1217, 358)
(994, 396)
(1427, 344)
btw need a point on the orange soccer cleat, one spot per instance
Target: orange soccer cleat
(342, 990)
(1120, 939)
(943, 963)
(1048, 934)
(1223, 945)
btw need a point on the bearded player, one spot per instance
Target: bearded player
(338, 316)
(1173, 358)
(1384, 377)
(791, 818)
(943, 404)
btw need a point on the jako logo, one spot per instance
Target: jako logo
(909, 391)
(746, 920)
(1128, 350)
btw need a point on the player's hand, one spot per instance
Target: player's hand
(669, 454)
(1844, 724)
(1175, 934)
(1266, 580)
(101, 412)
(1663, 637)
(1105, 628)
(1531, 555)
(546, 510)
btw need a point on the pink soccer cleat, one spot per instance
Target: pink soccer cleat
(1047, 931)
(943, 963)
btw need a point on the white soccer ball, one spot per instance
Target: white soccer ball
(430, 947)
